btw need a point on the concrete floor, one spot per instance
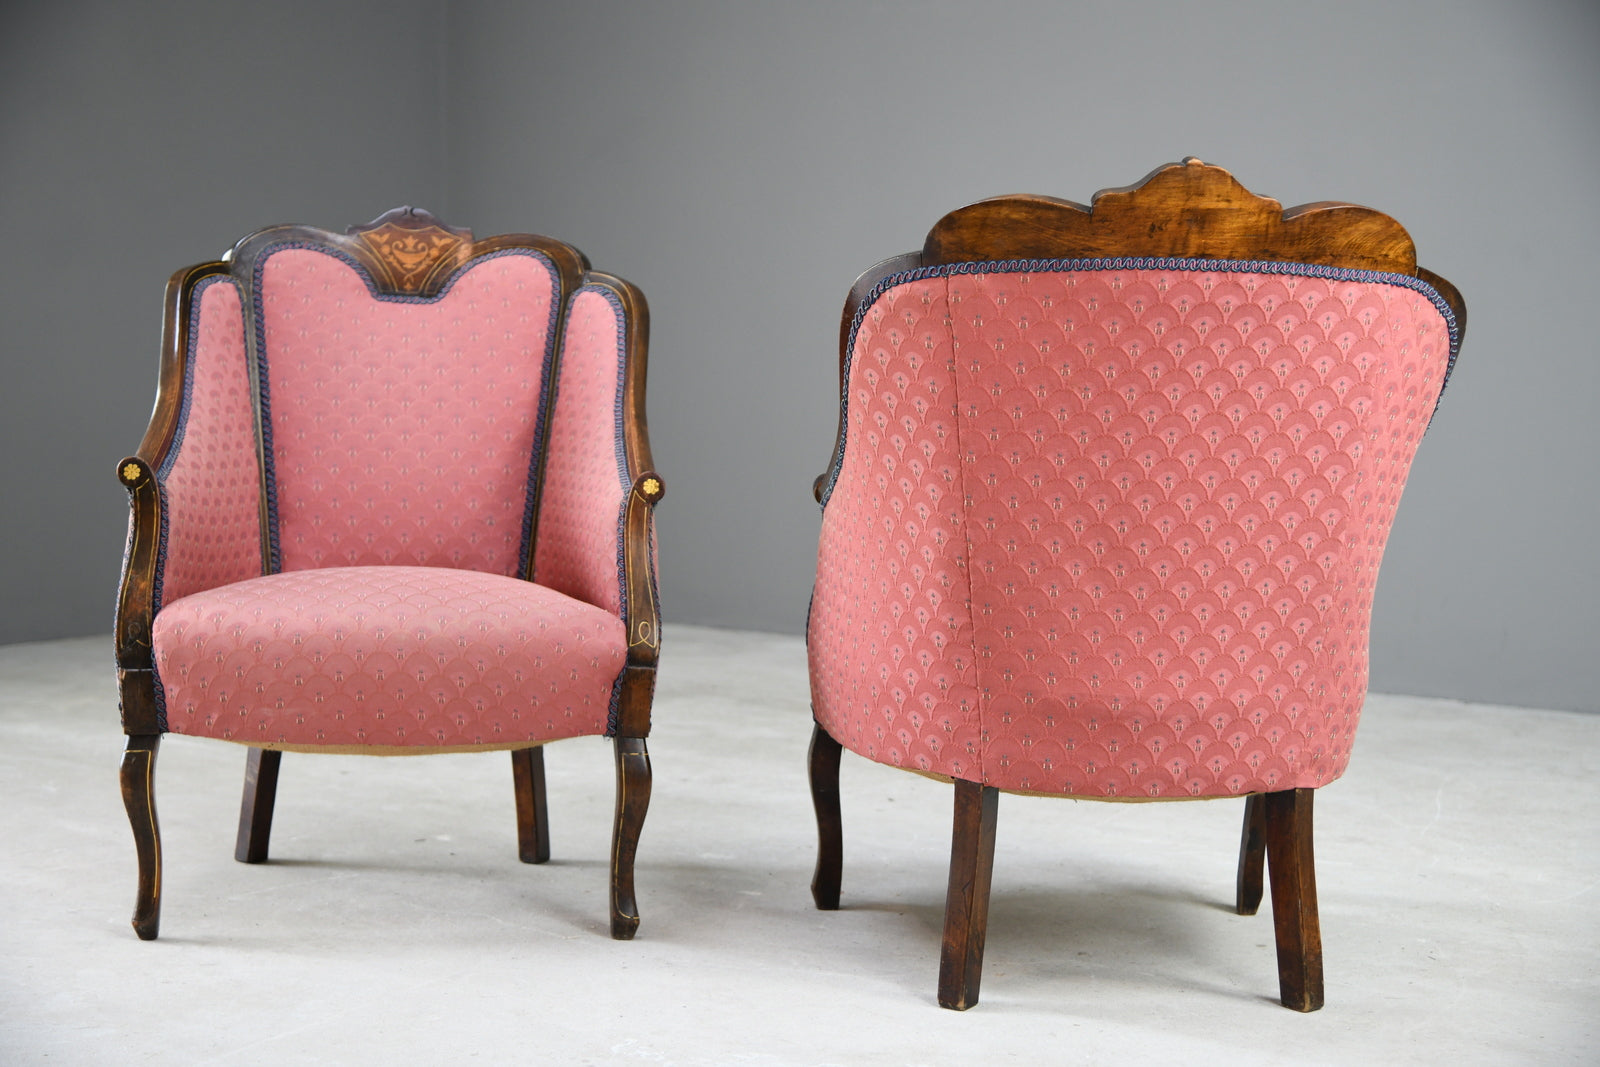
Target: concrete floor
(1457, 864)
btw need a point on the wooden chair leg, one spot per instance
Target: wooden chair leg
(633, 800)
(966, 906)
(138, 796)
(824, 759)
(1292, 869)
(255, 808)
(1252, 855)
(533, 821)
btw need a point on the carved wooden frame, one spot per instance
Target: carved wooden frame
(1187, 210)
(405, 252)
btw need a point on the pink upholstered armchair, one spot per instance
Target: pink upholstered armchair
(395, 498)
(1109, 496)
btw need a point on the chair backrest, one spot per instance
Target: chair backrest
(384, 396)
(1112, 486)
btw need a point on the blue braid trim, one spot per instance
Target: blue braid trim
(620, 446)
(614, 712)
(1040, 266)
(262, 378)
(170, 460)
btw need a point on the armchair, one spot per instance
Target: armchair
(395, 498)
(1104, 516)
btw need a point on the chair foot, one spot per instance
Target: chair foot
(966, 907)
(1252, 855)
(138, 796)
(1292, 869)
(533, 821)
(824, 766)
(633, 800)
(255, 807)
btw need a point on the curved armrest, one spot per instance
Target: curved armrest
(136, 593)
(194, 483)
(136, 597)
(860, 294)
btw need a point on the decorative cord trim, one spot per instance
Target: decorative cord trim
(620, 446)
(614, 709)
(1104, 263)
(264, 392)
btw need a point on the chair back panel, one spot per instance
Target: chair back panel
(1164, 494)
(211, 479)
(586, 478)
(401, 429)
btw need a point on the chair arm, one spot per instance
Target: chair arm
(861, 295)
(136, 596)
(642, 610)
(194, 483)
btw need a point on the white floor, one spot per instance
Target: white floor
(1457, 866)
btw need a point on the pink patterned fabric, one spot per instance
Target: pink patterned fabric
(402, 431)
(387, 658)
(577, 548)
(1124, 526)
(211, 482)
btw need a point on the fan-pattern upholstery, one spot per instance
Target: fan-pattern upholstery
(336, 515)
(585, 477)
(211, 480)
(402, 430)
(1116, 532)
(387, 659)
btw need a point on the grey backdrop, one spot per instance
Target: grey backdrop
(742, 162)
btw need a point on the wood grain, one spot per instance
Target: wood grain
(256, 806)
(966, 906)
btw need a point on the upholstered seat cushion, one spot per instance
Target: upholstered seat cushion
(386, 659)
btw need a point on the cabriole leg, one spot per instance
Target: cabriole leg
(255, 807)
(1292, 869)
(138, 796)
(966, 906)
(1252, 855)
(633, 800)
(825, 753)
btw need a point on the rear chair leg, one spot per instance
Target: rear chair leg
(533, 821)
(138, 796)
(633, 800)
(255, 807)
(966, 906)
(1294, 898)
(825, 752)
(1252, 855)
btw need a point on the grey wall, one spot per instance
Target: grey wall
(136, 139)
(743, 161)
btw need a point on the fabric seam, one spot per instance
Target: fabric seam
(966, 536)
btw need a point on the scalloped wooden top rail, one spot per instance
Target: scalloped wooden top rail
(1188, 209)
(407, 251)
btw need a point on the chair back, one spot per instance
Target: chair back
(1110, 497)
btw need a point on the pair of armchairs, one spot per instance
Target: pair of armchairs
(1103, 520)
